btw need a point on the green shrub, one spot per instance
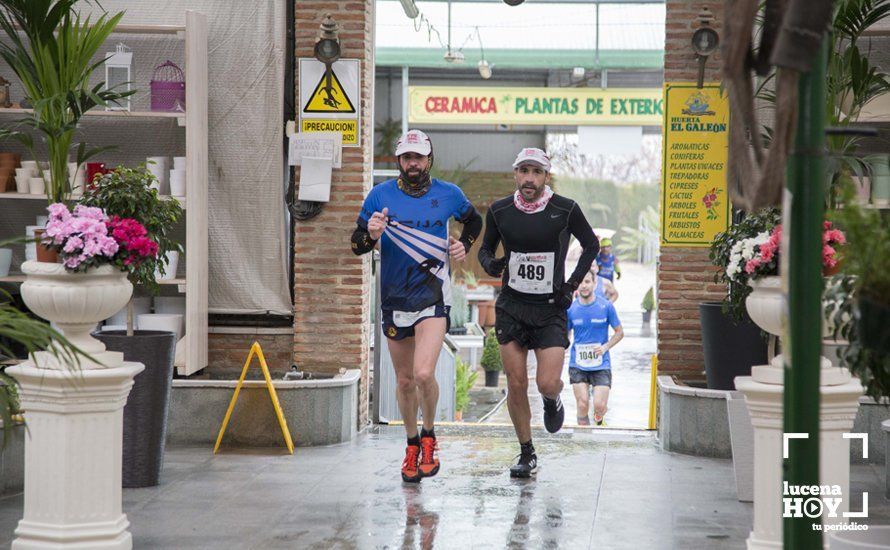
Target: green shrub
(491, 353)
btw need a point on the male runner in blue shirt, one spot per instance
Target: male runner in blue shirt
(607, 262)
(409, 217)
(590, 317)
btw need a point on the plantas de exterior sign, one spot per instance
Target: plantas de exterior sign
(502, 105)
(694, 206)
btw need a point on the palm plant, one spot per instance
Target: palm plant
(852, 83)
(50, 47)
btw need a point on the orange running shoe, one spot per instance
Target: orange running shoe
(429, 460)
(410, 472)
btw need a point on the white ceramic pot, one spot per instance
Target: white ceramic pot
(36, 186)
(171, 305)
(766, 305)
(169, 268)
(75, 302)
(159, 167)
(5, 261)
(177, 182)
(167, 322)
(141, 304)
(31, 247)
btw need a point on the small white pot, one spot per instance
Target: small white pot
(177, 182)
(5, 261)
(169, 268)
(168, 322)
(36, 186)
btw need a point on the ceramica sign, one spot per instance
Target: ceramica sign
(552, 106)
(694, 205)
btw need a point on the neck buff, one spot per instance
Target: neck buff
(532, 207)
(420, 188)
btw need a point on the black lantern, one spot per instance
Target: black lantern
(327, 48)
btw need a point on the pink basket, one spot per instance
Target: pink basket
(168, 88)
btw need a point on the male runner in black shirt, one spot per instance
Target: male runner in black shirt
(535, 226)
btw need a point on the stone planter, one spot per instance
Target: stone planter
(318, 412)
(76, 302)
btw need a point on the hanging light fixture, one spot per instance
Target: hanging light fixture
(452, 56)
(484, 66)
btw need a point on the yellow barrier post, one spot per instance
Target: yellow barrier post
(653, 387)
(255, 349)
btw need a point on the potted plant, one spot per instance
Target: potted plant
(51, 48)
(464, 378)
(126, 193)
(731, 342)
(491, 360)
(460, 310)
(648, 304)
(867, 262)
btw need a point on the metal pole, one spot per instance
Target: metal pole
(404, 100)
(805, 210)
(378, 339)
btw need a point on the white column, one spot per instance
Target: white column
(837, 410)
(73, 457)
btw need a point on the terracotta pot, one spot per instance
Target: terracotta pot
(44, 253)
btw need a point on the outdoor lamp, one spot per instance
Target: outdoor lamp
(704, 42)
(327, 48)
(410, 8)
(484, 69)
(118, 71)
(484, 65)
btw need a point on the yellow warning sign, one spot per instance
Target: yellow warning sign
(349, 128)
(329, 97)
(256, 350)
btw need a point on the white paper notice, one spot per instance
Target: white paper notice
(315, 179)
(317, 145)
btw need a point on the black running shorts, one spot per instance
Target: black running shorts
(602, 377)
(533, 326)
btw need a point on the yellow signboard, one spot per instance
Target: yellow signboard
(535, 106)
(349, 128)
(694, 204)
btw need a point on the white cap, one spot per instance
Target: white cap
(533, 155)
(414, 141)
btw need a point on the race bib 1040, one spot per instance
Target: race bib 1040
(585, 356)
(531, 273)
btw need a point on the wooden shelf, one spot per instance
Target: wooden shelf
(28, 196)
(97, 113)
(21, 279)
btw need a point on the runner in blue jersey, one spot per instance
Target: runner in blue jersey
(590, 365)
(607, 262)
(603, 287)
(408, 217)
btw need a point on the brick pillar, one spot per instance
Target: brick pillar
(685, 275)
(331, 285)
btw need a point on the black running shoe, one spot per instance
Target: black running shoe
(526, 467)
(554, 414)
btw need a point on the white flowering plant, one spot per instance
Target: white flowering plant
(745, 251)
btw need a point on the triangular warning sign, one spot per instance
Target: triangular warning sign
(329, 100)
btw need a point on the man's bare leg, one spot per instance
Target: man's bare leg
(514, 357)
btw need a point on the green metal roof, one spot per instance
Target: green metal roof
(524, 59)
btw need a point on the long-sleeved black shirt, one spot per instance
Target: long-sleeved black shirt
(535, 246)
